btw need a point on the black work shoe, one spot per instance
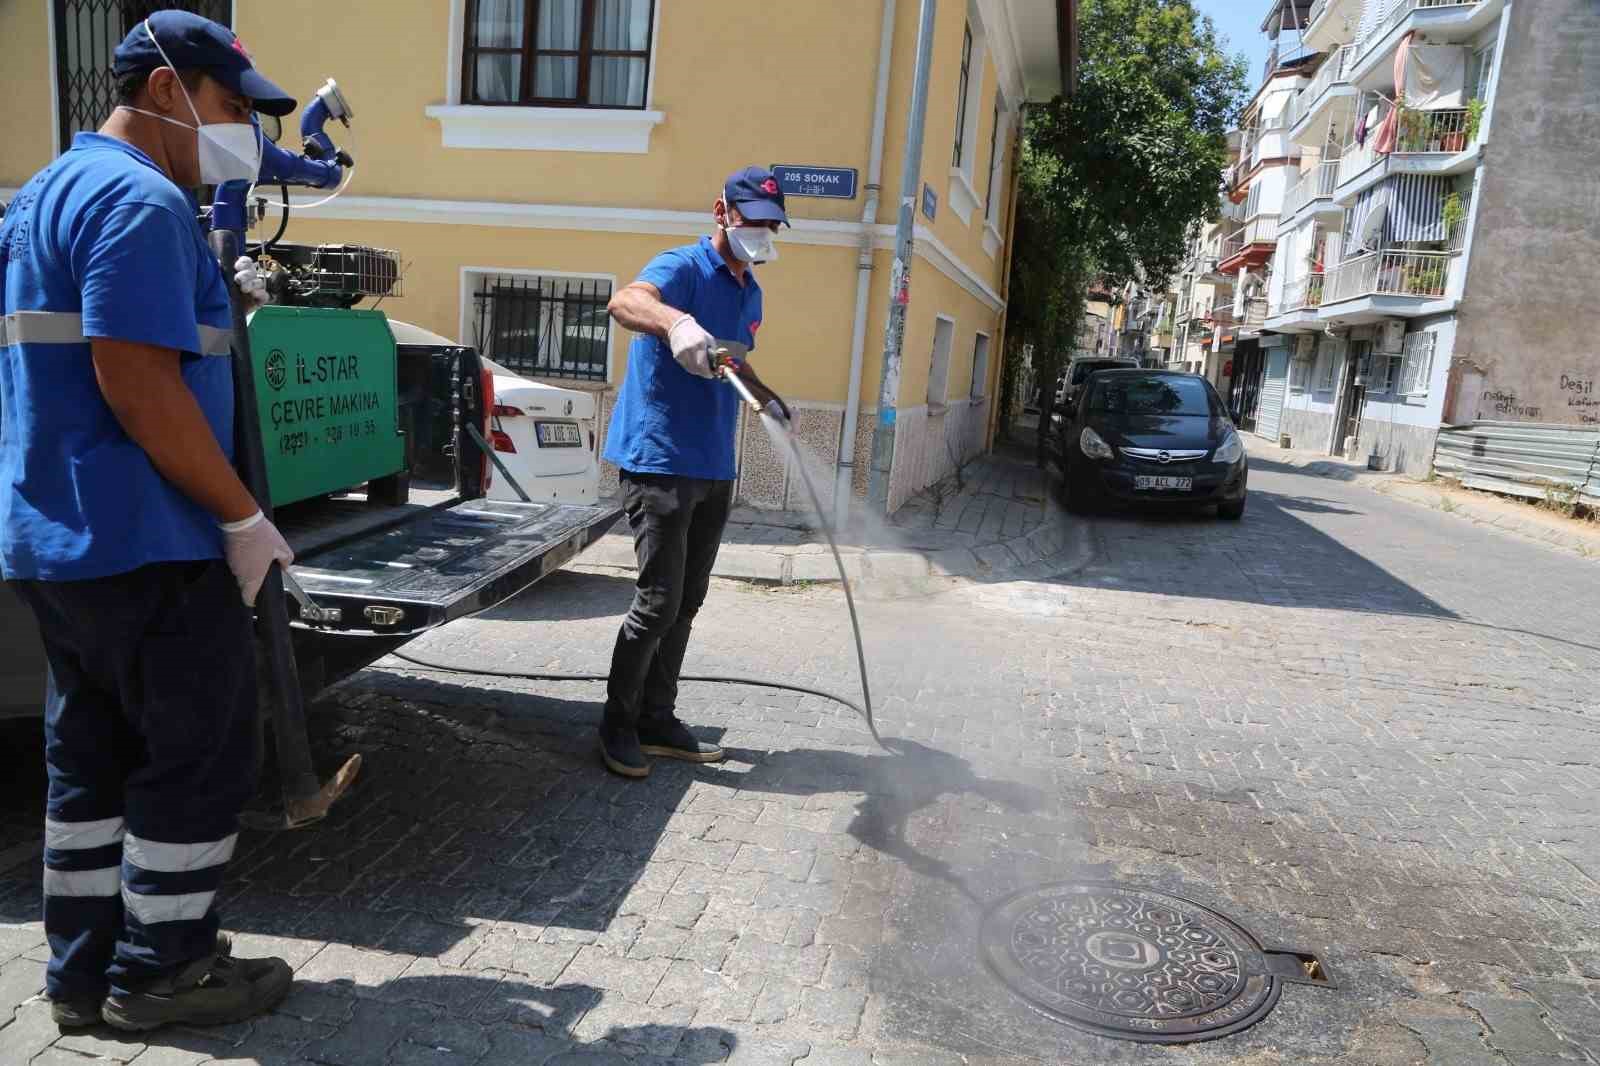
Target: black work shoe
(75, 1013)
(619, 747)
(671, 739)
(213, 990)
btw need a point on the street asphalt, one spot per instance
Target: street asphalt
(1362, 729)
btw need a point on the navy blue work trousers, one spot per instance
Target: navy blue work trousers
(152, 748)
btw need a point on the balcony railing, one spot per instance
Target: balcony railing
(1442, 131)
(1255, 311)
(1318, 9)
(1315, 184)
(1335, 70)
(1420, 274)
(1398, 15)
(1302, 293)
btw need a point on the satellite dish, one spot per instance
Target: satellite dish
(1371, 235)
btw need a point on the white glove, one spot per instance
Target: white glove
(691, 346)
(778, 412)
(251, 547)
(249, 280)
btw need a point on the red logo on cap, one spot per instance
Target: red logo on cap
(755, 326)
(238, 46)
(769, 187)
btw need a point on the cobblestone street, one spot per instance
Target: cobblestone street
(1361, 728)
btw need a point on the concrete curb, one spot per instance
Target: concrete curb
(1059, 543)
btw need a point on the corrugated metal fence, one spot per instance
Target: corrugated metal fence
(1522, 458)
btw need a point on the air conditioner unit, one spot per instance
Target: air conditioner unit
(1392, 336)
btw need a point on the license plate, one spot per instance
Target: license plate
(558, 435)
(1157, 483)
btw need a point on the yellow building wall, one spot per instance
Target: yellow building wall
(803, 348)
(730, 99)
(27, 70)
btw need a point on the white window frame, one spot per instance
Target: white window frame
(1416, 371)
(939, 370)
(542, 129)
(992, 237)
(961, 194)
(981, 345)
(470, 274)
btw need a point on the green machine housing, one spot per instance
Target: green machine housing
(328, 392)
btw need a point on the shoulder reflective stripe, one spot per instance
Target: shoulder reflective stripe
(74, 836)
(157, 857)
(154, 909)
(41, 327)
(214, 341)
(106, 881)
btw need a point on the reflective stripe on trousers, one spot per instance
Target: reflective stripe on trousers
(66, 327)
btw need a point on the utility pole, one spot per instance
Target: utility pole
(900, 272)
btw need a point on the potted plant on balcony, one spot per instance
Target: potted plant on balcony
(1422, 279)
(1475, 109)
(1454, 213)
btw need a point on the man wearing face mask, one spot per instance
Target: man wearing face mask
(672, 436)
(126, 530)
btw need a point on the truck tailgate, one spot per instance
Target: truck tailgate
(446, 563)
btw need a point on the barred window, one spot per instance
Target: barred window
(557, 53)
(87, 32)
(1417, 364)
(544, 327)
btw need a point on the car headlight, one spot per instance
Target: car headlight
(1093, 446)
(1231, 450)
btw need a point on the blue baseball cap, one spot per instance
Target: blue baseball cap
(195, 43)
(755, 192)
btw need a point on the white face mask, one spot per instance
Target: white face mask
(751, 244)
(229, 151)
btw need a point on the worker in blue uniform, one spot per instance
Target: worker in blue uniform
(127, 531)
(672, 437)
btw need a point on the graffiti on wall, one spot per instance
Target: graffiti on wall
(1581, 399)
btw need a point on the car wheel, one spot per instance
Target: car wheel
(1232, 510)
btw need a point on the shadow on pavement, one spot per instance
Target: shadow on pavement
(450, 1017)
(895, 788)
(1270, 558)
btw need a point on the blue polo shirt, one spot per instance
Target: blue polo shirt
(101, 244)
(667, 420)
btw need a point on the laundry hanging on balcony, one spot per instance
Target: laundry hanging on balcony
(1435, 77)
(1388, 133)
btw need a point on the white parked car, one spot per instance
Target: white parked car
(545, 435)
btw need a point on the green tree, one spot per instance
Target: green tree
(1113, 178)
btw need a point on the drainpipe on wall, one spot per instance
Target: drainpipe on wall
(997, 357)
(844, 474)
(900, 275)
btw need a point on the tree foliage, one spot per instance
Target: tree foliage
(1113, 177)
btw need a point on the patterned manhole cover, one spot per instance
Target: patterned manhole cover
(1135, 964)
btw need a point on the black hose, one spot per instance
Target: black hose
(283, 221)
(717, 679)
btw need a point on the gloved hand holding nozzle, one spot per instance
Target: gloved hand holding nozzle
(742, 377)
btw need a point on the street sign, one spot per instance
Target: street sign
(930, 201)
(827, 183)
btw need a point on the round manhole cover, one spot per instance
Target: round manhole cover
(1129, 963)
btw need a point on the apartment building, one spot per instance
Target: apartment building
(528, 157)
(1431, 265)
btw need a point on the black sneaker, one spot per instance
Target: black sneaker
(671, 739)
(75, 1013)
(213, 990)
(619, 747)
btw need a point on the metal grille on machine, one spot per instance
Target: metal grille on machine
(87, 33)
(544, 327)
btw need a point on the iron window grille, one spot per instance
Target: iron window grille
(1417, 368)
(544, 327)
(87, 33)
(961, 97)
(557, 53)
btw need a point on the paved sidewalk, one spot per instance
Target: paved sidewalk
(999, 518)
(1518, 517)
